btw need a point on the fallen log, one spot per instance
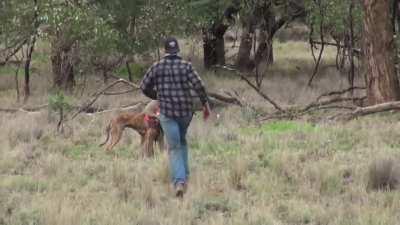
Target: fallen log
(219, 97)
(363, 111)
(24, 109)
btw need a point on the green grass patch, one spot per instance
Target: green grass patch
(87, 150)
(216, 147)
(81, 151)
(10, 71)
(204, 207)
(279, 127)
(343, 140)
(40, 57)
(22, 183)
(129, 151)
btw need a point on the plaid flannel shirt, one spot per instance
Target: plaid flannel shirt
(170, 81)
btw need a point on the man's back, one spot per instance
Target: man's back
(172, 79)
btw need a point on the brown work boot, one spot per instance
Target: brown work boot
(179, 190)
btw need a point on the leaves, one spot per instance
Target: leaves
(334, 14)
(59, 101)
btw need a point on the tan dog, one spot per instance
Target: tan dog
(149, 134)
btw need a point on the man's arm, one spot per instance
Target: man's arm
(147, 84)
(197, 85)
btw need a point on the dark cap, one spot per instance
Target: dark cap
(171, 45)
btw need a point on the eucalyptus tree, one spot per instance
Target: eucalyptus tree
(19, 23)
(140, 26)
(212, 18)
(379, 50)
(363, 31)
(267, 16)
(338, 21)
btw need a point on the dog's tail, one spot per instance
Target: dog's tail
(108, 128)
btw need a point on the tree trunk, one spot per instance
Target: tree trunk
(264, 51)
(62, 58)
(17, 80)
(214, 45)
(27, 67)
(105, 75)
(269, 26)
(128, 68)
(213, 36)
(351, 46)
(30, 49)
(382, 82)
(264, 16)
(244, 61)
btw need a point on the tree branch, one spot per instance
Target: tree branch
(262, 94)
(24, 109)
(355, 50)
(363, 111)
(95, 96)
(340, 92)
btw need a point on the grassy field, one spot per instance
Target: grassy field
(279, 172)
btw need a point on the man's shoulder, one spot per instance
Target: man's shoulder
(171, 61)
(184, 63)
(157, 63)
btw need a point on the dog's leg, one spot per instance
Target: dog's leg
(147, 144)
(108, 135)
(143, 144)
(150, 138)
(116, 134)
(142, 139)
(160, 140)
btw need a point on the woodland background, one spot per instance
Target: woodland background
(305, 111)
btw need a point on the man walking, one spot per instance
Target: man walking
(170, 81)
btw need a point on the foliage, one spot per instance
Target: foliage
(141, 25)
(59, 102)
(334, 16)
(204, 13)
(16, 25)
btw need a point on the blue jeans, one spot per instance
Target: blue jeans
(175, 130)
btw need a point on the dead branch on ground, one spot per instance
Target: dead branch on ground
(340, 92)
(222, 98)
(258, 90)
(363, 111)
(318, 103)
(225, 99)
(24, 109)
(97, 95)
(125, 108)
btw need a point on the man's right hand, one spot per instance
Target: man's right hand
(206, 111)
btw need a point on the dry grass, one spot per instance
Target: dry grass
(284, 172)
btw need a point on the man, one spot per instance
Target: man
(170, 81)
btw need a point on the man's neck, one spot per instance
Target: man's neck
(169, 55)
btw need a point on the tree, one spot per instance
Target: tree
(382, 82)
(68, 25)
(340, 21)
(268, 17)
(140, 26)
(213, 18)
(19, 23)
